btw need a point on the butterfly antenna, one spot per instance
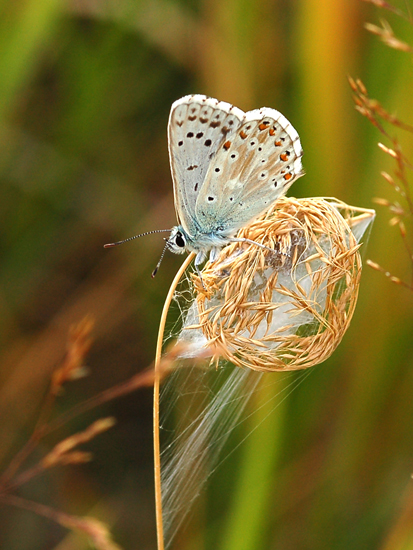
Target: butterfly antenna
(111, 245)
(155, 271)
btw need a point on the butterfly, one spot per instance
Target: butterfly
(228, 167)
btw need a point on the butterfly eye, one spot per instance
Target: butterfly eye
(179, 240)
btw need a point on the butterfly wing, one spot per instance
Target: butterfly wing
(252, 167)
(197, 126)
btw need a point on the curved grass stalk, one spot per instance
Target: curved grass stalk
(156, 439)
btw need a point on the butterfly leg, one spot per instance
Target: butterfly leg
(200, 257)
(213, 255)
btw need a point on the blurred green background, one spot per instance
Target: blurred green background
(85, 92)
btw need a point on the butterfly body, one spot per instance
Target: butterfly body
(199, 241)
(228, 167)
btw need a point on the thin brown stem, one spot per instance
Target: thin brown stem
(96, 531)
(156, 440)
(140, 380)
(40, 509)
(391, 8)
(402, 176)
(31, 444)
(78, 345)
(23, 478)
(408, 249)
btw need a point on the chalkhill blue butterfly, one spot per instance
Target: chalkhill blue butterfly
(228, 167)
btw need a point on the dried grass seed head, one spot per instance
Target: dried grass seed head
(288, 309)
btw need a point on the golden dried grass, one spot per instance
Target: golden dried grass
(288, 309)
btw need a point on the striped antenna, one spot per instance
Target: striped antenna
(155, 271)
(111, 245)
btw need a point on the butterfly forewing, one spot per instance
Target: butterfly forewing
(251, 169)
(197, 127)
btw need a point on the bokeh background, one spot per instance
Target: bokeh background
(85, 92)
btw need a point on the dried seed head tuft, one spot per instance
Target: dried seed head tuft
(78, 346)
(287, 309)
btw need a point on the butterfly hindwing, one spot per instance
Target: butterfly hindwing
(250, 170)
(197, 126)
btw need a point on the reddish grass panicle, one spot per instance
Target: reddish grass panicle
(67, 451)
(389, 127)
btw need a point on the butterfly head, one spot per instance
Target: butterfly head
(177, 241)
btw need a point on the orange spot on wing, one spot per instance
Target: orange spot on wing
(284, 157)
(243, 134)
(288, 176)
(272, 131)
(227, 145)
(278, 143)
(263, 125)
